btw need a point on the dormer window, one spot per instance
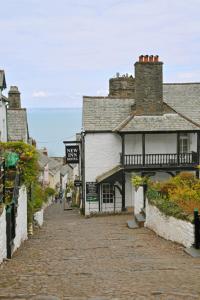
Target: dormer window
(184, 143)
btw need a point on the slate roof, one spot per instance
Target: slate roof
(2, 80)
(66, 169)
(17, 125)
(103, 113)
(54, 165)
(42, 159)
(109, 114)
(166, 122)
(184, 98)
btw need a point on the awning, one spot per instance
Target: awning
(111, 174)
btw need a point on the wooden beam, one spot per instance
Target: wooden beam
(198, 152)
(178, 148)
(123, 191)
(123, 148)
(143, 149)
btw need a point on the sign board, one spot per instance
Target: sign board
(72, 154)
(92, 192)
(77, 183)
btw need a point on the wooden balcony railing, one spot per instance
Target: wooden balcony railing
(169, 159)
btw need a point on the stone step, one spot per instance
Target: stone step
(132, 224)
(140, 219)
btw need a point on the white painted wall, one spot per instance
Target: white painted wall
(154, 143)
(39, 217)
(21, 219)
(3, 246)
(54, 180)
(64, 180)
(3, 121)
(169, 228)
(102, 153)
(138, 200)
(130, 191)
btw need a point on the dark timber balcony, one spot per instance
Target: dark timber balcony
(164, 161)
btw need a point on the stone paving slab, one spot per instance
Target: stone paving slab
(74, 258)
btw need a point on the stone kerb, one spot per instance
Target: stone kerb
(169, 228)
(21, 219)
(3, 246)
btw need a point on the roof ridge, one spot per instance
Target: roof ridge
(124, 122)
(183, 116)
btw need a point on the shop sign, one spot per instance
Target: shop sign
(92, 192)
(72, 154)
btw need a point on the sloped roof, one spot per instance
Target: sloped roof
(104, 113)
(54, 165)
(66, 169)
(17, 125)
(42, 160)
(184, 98)
(166, 122)
(2, 80)
(109, 114)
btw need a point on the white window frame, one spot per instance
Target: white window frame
(184, 143)
(107, 193)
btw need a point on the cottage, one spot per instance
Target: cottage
(3, 107)
(143, 126)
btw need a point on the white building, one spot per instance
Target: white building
(3, 109)
(144, 127)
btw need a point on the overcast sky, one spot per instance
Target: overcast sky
(57, 51)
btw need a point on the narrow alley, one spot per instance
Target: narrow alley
(98, 258)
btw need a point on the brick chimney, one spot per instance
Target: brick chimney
(149, 85)
(14, 97)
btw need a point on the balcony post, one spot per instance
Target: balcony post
(178, 148)
(123, 150)
(143, 149)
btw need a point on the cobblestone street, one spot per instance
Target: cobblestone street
(72, 257)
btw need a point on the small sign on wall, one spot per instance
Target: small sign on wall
(72, 154)
(92, 192)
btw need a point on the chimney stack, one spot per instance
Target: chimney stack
(149, 85)
(14, 97)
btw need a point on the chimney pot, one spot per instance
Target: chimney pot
(146, 58)
(141, 58)
(151, 58)
(156, 58)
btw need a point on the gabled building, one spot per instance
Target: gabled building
(16, 117)
(3, 108)
(143, 126)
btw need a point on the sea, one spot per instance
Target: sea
(51, 126)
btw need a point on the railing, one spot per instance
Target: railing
(172, 159)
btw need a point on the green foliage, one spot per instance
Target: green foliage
(38, 197)
(138, 181)
(177, 197)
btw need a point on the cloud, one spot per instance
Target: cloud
(40, 94)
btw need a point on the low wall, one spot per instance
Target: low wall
(21, 219)
(169, 228)
(39, 217)
(139, 200)
(3, 246)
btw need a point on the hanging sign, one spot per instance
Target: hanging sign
(72, 154)
(91, 192)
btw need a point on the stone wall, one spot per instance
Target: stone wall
(169, 228)
(148, 88)
(3, 247)
(122, 87)
(21, 219)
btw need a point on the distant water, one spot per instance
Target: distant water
(51, 126)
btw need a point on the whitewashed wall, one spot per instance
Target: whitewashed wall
(54, 180)
(169, 228)
(154, 143)
(39, 217)
(3, 122)
(138, 200)
(21, 219)
(102, 153)
(3, 246)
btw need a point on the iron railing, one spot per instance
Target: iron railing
(172, 159)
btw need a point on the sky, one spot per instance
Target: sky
(58, 51)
